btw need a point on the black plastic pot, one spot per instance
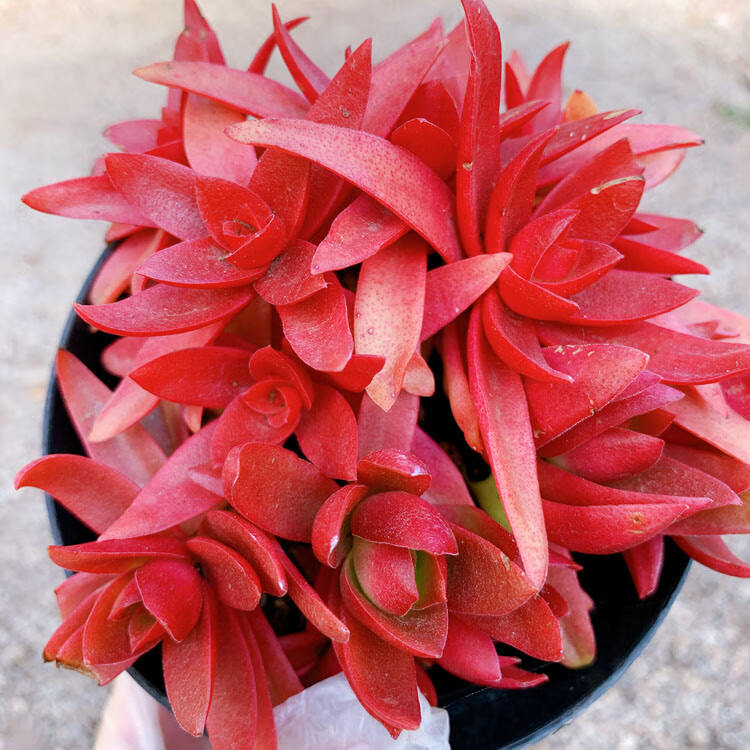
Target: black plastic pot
(481, 718)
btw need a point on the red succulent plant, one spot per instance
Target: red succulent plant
(291, 272)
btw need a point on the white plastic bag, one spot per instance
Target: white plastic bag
(328, 716)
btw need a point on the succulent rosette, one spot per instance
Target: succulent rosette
(293, 275)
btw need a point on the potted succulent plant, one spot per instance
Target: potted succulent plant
(385, 357)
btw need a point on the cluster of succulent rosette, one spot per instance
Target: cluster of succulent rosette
(285, 287)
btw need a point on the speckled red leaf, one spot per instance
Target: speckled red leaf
(117, 555)
(532, 628)
(119, 357)
(478, 522)
(429, 142)
(232, 716)
(160, 189)
(199, 264)
(357, 374)
(275, 489)
(92, 491)
(403, 520)
(161, 310)
(134, 452)
(394, 429)
(529, 299)
(503, 417)
(358, 232)
(231, 577)
(640, 256)
(269, 363)
(605, 529)
(135, 135)
(310, 79)
(386, 575)
(469, 653)
(74, 589)
(388, 470)
(452, 288)
(612, 455)
(288, 278)
(382, 676)
(388, 173)
(546, 85)
(732, 472)
(512, 199)
(432, 101)
(189, 670)
(116, 273)
(579, 644)
(86, 198)
(478, 161)
(172, 591)
(331, 532)
(713, 552)
(388, 313)
(318, 328)
(247, 92)
(208, 150)
(482, 579)
(513, 338)
(209, 376)
(263, 55)
(447, 485)
(599, 372)
(420, 632)
(677, 357)
(645, 563)
(171, 497)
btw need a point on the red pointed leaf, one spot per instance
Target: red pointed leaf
(288, 278)
(469, 653)
(645, 564)
(447, 485)
(331, 532)
(379, 430)
(713, 552)
(579, 644)
(389, 470)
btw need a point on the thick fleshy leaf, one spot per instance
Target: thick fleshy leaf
(189, 670)
(613, 454)
(86, 198)
(331, 532)
(386, 575)
(389, 470)
(162, 310)
(134, 135)
(263, 55)
(420, 632)
(382, 676)
(231, 577)
(247, 92)
(645, 563)
(452, 288)
(679, 358)
(513, 338)
(270, 364)
(391, 175)
(532, 241)
(74, 589)
(478, 161)
(275, 489)
(208, 150)
(617, 412)
(327, 434)
(232, 716)
(482, 580)
(429, 142)
(318, 328)
(388, 313)
(503, 417)
(117, 555)
(160, 189)
(735, 474)
(403, 520)
(599, 374)
(171, 497)
(379, 430)
(357, 374)
(447, 485)
(546, 85)
(639, 256)
(134, 452)
(116, 273)
(288, 278)
(200, 264)
(512, 199)
(579, 644)
(172, 591)
(605, 529)
(713, 552)
(469, 653)
(358, 232)
(254, 545)
(209, 376)
(92, 491)
(534, 301)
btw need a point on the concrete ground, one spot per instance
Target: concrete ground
(65, 77)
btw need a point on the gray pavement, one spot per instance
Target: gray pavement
(64, 77)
